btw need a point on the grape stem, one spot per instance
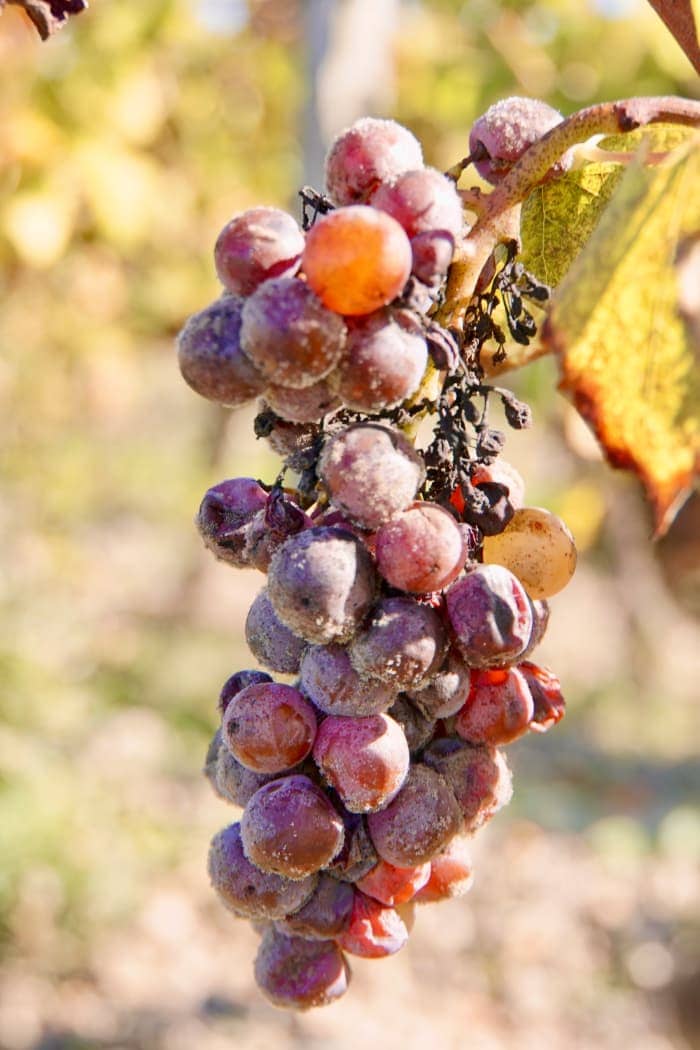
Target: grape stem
(498, 212)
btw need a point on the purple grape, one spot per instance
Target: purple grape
(490, 615)
(369, 152)
(502, 134)
(540, 622)
(270, 527)
(269, 727)
(236, 683)
(403, 643)
(210, 356)
(297, 973)
(383, 362)
(328, 678)
(446, 691)
(271, 643)
(308, 405)
(479, 777)
(422, 201)
(289, 335)
(255, 245)
(371, 472)
(245, 889)
(233, 782)
(419, 822)
(432, 254)
(322, 583)
(224, 515)
(289, 827)
(357, 855)
(325, 914)
(418, 729)
(210, 763)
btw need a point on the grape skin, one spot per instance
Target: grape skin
(423, 201)
(366, 760)
(501, 135)
(451, 873)
(403, 643)
(383, 362)
(307, 405)
(491, 616)
(421, 549)
(289, 827)
(418, 823)
(211, 358)
(247, 890)
(289, 335)
(367, 153)
(325, 914)
(477, 774)
(329, 680)
(390, 885)
(375, 930)
(297, 973)
(269, 640)
(255, 245)
(447, 691)
(269, 727)
(499, 708)
(223, 517)
(372, 472)
(322, 583)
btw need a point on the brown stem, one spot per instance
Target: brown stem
(678, 17)
(607, 118)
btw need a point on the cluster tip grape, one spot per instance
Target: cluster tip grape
(405, 588)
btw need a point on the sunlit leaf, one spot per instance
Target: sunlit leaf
(625, 349)
(559, 217)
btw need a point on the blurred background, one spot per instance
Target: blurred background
(126, 142)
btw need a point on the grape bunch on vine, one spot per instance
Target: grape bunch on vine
(406, 577)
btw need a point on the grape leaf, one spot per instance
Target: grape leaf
(558, 218)
(625, 348)
(48, 15)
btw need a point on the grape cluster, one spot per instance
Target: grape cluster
(405, 588)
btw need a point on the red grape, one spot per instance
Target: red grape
(297, 973)
(370, 151)
(328, 678)
(271, 643)
(257, 244)
(366, 760)
(421, 549)
(289, 827)
(403, 643)
(499, 708)
(210, 356)
(372, 472)
(375, 930)
(383, 362)
(418, 823)
(247, 890)
(288, 333)
(422, 201)
(451, 873)
(269, 727)
(390, 885)
(490, 616)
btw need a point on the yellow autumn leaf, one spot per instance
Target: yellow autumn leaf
(624, 348)
(558, 218)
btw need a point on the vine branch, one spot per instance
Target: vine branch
(498, 212)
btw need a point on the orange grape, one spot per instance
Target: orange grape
(356, 259)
